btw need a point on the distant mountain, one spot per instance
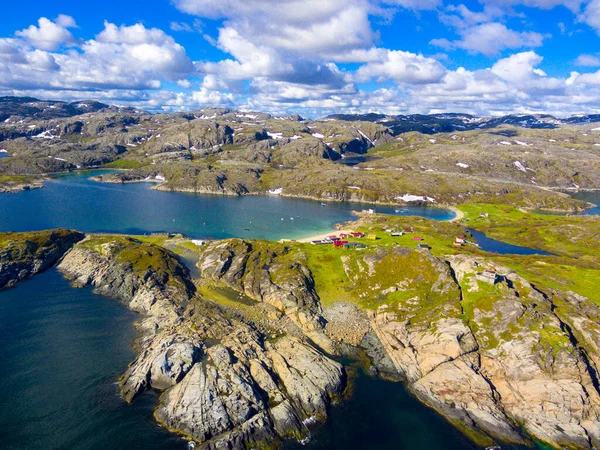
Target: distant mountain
(445, 123)
(33, 108)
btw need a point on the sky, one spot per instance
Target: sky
(310, 57)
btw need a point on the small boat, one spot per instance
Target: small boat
(247, 229)
(323, 204)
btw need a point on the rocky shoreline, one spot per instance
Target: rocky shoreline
(505, 362)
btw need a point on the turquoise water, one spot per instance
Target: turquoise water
(61, 352)
(72, 201)
(589, 196)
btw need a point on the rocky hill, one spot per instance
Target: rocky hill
(445, 159)
(25, 254)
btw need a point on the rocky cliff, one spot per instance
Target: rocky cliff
(224, 383)
(25, 254)
(503, 361)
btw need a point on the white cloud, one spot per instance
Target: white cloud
(491, 38)
(591, 15)
(196, 26)
(588, 61)
(402, 67)
(122, 57)
(49, 35)
(573, 5)
(415, 4)
(65, 21)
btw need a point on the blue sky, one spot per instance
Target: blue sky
(312, 57)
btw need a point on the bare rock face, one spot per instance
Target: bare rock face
(162, 364)
(504, 362)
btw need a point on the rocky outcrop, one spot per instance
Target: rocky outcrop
(224, 384)
(269, 273)
(504, 362)
(25, 254)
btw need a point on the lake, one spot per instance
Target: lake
(73, 201)
(494, 246)
(589, 196)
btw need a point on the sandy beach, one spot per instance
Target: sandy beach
(458, 212)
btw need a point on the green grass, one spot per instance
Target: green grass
(16, 179)
(572, 236)
(124, 164)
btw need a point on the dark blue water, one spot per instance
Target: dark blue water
(492, 245)
(61, 353)
(382, 415)
(72, 201)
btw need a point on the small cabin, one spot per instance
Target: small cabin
(357, 234)
(409, 230)
(416, 238)
(424, 246)
(488, 276)
(460, 240)
(339, 243)
(372, 237)
(397, 233)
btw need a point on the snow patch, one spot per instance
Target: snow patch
(520, 166)
(505, 143)
(415, 198)
(433, 141)
(45, 135)
(277, 191)
(463, 165)
(524, 144)
(275, 135)
(366, 137)
(318, 135)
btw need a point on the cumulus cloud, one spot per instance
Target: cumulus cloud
(49, 35)
(402, 67)
(490, 39)
(120, 57)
